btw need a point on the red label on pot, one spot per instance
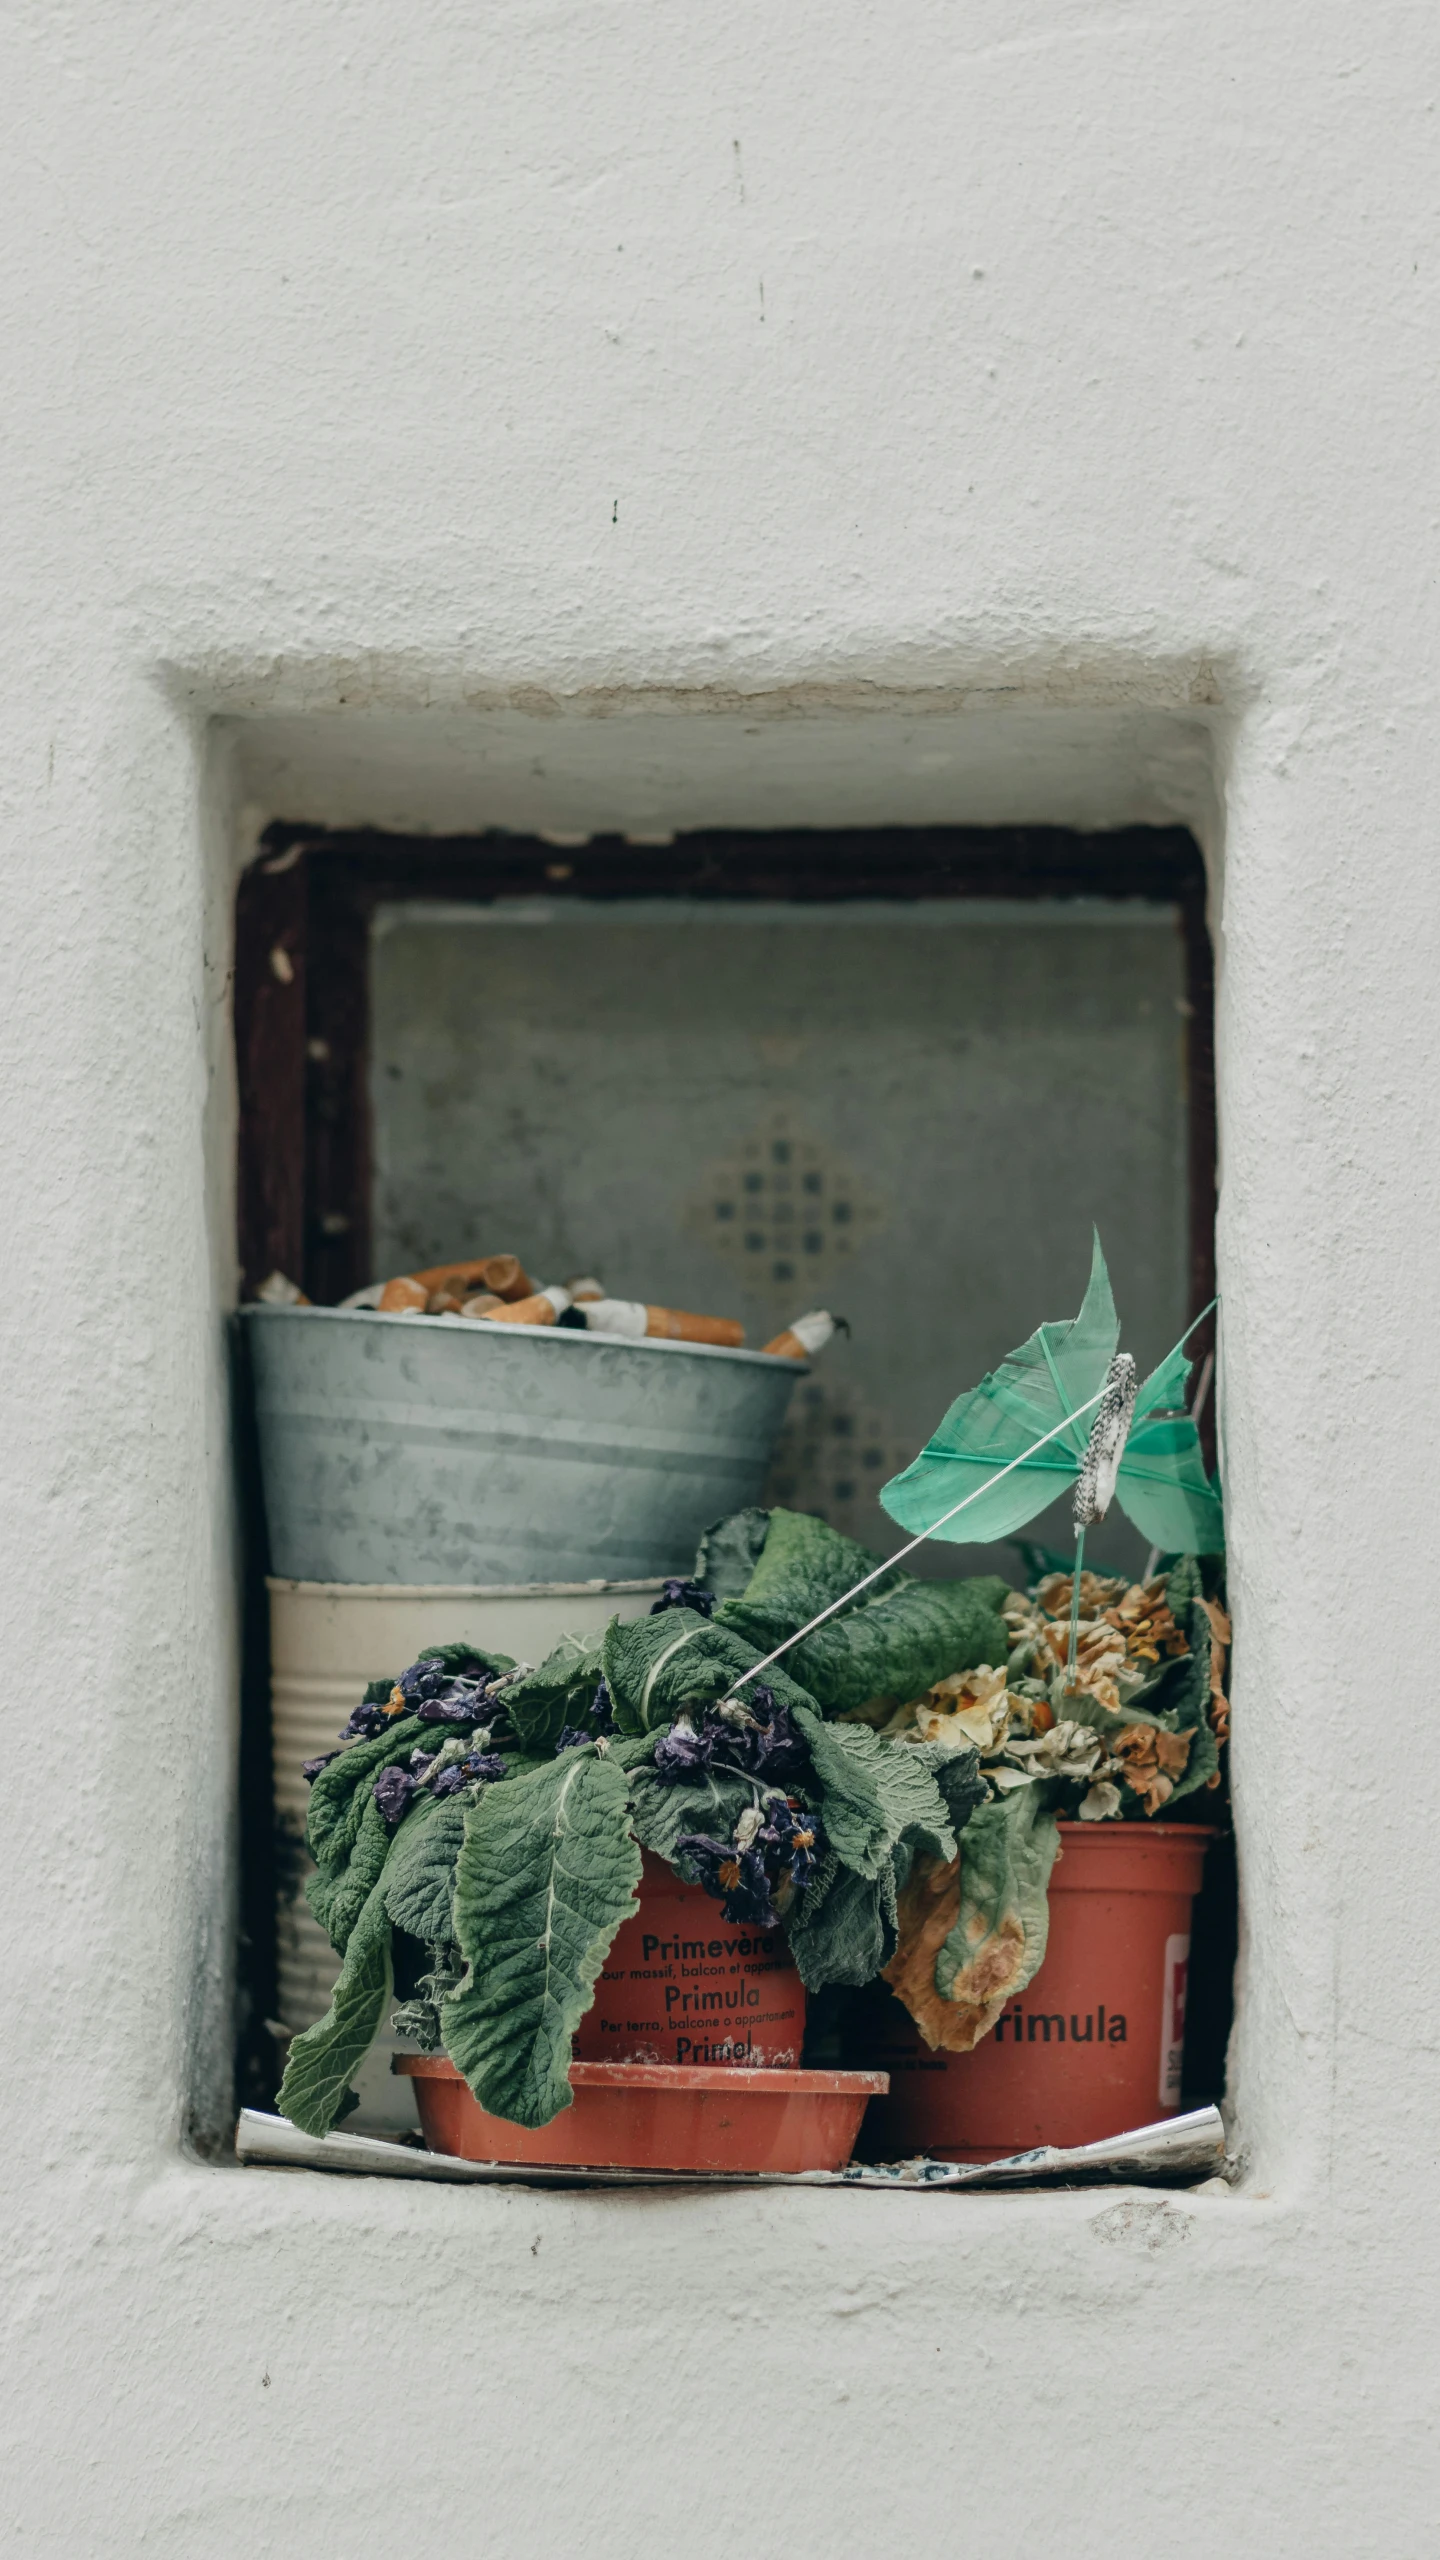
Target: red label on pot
(1172, 2019)
(1100, 2027)
(683, 1985)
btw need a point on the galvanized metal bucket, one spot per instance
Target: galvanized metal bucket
(398, 1449)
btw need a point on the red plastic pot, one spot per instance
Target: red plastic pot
(684, 1986)
(657, 2116)
(1093, 2046)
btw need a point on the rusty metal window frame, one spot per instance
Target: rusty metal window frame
(304, 912)
(302, 981)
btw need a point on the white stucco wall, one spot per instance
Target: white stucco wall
(395, 428)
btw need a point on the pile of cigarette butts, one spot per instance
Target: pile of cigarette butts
(495, 1289)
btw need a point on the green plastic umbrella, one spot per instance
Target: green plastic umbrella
(1062, 1410)
(1161, 1483)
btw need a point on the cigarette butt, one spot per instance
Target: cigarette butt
(443, 1302)
(543, 1308)
(404, 1297)
(585, 1293)
(277, 1291)
(536, 1310)
(672, 1324)
(483, 1304)
(632, 1320)
(808, 1333)
(439, 1275)
(622, 1316)
(500, 1272)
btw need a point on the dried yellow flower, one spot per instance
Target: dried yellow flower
(1024, 1620)
(1152, 1760)
(1143, 1618)
(1220, 1635)
(1097, 1591)
(1101, 1803)
(971, 1707)
(1068, 1750)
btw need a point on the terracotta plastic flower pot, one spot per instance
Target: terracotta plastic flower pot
(682, 1985)
(657, 2116)
(1093, 2045)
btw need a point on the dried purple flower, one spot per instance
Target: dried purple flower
(488, 1765)
(393, 1790)
(757, 1734)
(599, 1721)
(736, 1877)
(751, 1734)
(776, 1749)
(310, 1769)
(710, 1856)
(794, 1834)
(749, 1899)
(444, 1693)
(676, 1594)
(450, 1780)
(461, 1702)
(681, 1751)
(365, 1722)
(423, 1680)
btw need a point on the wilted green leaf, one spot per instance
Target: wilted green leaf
(973, 1929)
(341, 1792)
(1183, 1583)
(324, 2060)
(844, 1926)
(547, 1873)
(420, 1872)
(870, 1793)
(1005, 1861)
(656, 1666)
(803, 1567)
(896, 1647)
(337, 1894)
(730, 1551)
(957, 1775)
(558, 1692)
(891, 1643)
(662, 1812)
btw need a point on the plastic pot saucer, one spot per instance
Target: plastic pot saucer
(650, 2115)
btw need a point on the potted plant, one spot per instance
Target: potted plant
(1106, 1710)
(1088, 1767)
(481, 1833)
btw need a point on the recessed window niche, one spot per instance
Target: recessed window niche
(897, 1072)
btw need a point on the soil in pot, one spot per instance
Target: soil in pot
(657, 2116)
(683, 1985)
(1092, 2047)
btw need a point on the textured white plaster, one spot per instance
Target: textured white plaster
(600, 766)
(367, 366)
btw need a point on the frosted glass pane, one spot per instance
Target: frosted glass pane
(910, 1116)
